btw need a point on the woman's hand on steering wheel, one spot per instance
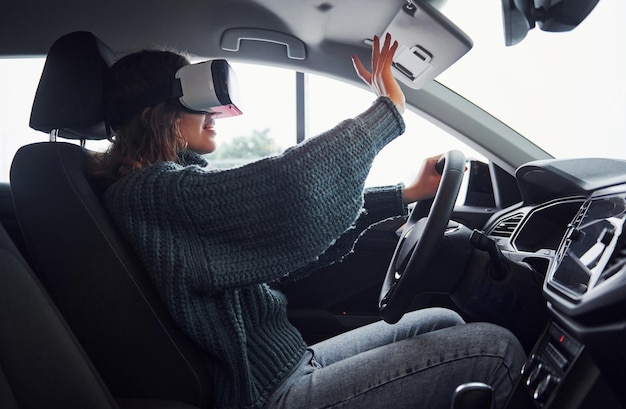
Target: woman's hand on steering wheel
(425, 184)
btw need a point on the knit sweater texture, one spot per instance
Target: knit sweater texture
(212, 240)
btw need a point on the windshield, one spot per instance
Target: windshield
(564, 91)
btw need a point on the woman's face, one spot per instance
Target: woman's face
(199, 132)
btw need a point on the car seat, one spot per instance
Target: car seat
(41, 363)
(90, 272)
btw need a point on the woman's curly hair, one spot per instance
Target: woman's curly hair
(144, 126)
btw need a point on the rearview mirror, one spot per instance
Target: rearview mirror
(520, 16)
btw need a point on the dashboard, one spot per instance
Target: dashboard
(569, 229)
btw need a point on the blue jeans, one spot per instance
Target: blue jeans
(416, 363)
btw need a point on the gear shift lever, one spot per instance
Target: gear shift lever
(474, 395)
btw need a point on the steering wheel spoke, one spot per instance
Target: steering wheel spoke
(406, 245)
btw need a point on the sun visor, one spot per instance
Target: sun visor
(209, 86)
(428, 43)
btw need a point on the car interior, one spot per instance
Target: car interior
(515, 236)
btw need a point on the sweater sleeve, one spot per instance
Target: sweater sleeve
(259, 222)
(380, 204)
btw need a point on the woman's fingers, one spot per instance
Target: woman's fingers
(361, 71)
(381, 79)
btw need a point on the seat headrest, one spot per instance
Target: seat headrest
(69, 95)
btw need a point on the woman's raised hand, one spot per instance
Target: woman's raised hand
(381, 79)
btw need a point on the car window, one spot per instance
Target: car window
(267, 127)
(553, 88)
(330, 101)
(18, 81)
(268, 123)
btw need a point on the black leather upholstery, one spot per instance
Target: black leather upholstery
(41, 363)
(69, 94)
(91, 273)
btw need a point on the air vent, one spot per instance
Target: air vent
(506, 227)
(571, 228)
(617, 260)
(581, 214)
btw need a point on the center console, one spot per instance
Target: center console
(579, 360)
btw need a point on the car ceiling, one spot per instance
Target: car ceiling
(193, 25)
(332, 30)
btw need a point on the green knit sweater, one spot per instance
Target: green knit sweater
(212, 240)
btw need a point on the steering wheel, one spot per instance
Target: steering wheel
(419, 240)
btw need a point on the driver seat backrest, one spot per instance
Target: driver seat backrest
(90, 272)
(41, 363)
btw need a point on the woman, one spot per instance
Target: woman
(213, 240)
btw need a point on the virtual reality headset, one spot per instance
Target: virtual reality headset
(208, 87)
